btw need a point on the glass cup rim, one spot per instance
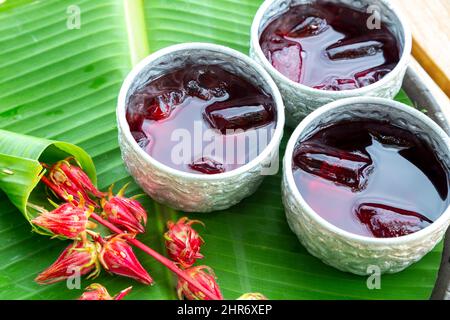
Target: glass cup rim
(288, 172)
(404, 59)
(124, 126)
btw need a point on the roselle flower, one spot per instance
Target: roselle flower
(252, 296)
(118, 257)
(67, 220)
(68, 181)
(80, 256)
(205, 277)
(98, 292)
(126, 213)
(183, 243)
(122, 293)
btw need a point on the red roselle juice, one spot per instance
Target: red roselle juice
(201, 119)
(371, 178)
(330, 47)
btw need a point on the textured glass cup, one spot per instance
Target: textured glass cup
(190, 191)
(299, 99)
(344, 250)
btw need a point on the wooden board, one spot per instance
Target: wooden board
(430, 24)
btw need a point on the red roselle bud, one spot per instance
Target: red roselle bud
(80, 256)
(205, 277)
(67, 181)
(118, 257)
(122, 293)
(66, 220)
(183, 243)
(98, 292)
(252, 296)
(124, 212)
(95, 292)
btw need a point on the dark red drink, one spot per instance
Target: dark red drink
(330, 47)
(371, 178)
(201, 119)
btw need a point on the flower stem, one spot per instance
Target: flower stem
(158, 257)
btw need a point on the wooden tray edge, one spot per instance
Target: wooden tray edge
(426, 95)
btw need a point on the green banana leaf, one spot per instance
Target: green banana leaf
(21, 169)
(60, 80)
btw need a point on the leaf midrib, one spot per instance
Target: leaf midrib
(139, 49)
(136, 30)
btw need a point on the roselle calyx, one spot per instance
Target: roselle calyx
(122, 293)
(68, 181)
(96, 291)
(79, 257)
(158, 257)
(117, 257)
(205, 276)
(125, 213)
(67, 220)
(183, 243)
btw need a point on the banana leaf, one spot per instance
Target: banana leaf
(59, 80)
(21, 169)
